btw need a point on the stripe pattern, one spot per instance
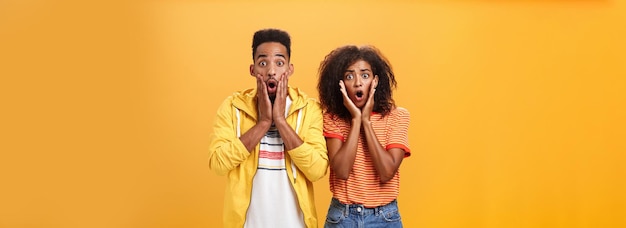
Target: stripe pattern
(363, 185)
(271, 151)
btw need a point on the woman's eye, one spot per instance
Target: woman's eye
(365, 75)
(262, 64)
(349, 76)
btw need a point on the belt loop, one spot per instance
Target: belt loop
(347, 211)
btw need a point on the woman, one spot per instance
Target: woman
(366, 136)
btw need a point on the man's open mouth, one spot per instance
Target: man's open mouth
(272, 83)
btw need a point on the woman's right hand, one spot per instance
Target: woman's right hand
(354, 111)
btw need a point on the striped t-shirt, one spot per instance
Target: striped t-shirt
(363, 185)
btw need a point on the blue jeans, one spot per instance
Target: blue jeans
(356, 216)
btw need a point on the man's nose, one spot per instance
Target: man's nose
(271, 71)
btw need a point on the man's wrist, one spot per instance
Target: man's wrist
(265, 124)
(280, 121)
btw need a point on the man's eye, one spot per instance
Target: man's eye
(262, 64)
(280, 63)
(365, 75)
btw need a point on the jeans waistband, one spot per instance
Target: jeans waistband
(360, 209)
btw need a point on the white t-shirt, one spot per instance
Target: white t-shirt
(273, 203)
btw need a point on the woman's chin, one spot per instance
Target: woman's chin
(359, 103)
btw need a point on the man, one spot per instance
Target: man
(268, 141)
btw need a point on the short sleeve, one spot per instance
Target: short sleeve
(398, 130)
(332, 127)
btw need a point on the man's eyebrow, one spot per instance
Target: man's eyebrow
(265, 56)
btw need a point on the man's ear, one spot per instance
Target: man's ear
(291, 69)
(252, 70)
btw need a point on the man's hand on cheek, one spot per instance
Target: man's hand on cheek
(263, 100)
(281, 97)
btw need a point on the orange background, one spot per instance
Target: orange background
(517, 107)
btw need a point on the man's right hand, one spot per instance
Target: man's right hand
(252, 137)
(263, 100)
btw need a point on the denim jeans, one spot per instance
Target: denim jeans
(356, 216)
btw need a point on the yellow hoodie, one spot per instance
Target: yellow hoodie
(228, 156)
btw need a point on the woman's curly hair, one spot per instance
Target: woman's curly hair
(332, 70)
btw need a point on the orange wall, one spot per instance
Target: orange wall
(517, 107)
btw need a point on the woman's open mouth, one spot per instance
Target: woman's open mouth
(359, 94)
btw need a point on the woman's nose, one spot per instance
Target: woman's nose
(358, 82)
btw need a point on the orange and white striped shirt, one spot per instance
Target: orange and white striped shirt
(363, 186)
